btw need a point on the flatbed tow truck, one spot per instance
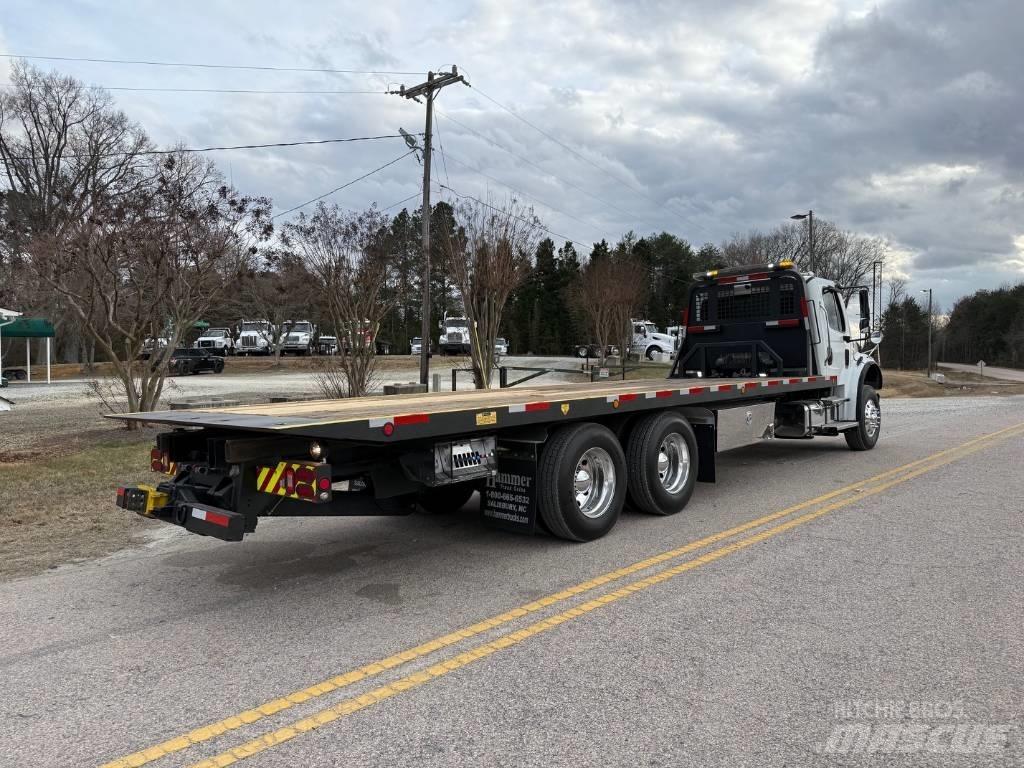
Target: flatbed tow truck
(769, 353)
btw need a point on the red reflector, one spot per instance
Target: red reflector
(304, 491)
(305, 475)
(789, 323)
(803, 307)
(156, 466)
(686, 317)
(155, 455)
(412, 418)
(217, 519)
(772, 382)
(325, 483)
(727, 280)
(696, 390)
(536, 407)
(757, 276)
(663, 393)
(388, 429)
(794, 381)
(120, 492)
(627, 397)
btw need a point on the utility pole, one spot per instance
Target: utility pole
(929, 292)
(434, 83)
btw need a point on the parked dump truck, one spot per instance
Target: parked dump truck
(767, 354)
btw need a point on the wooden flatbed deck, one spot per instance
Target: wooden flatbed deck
(390, 418)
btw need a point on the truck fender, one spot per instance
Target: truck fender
(703, 422)
(871, 375)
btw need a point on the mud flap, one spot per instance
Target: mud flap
(509, 500)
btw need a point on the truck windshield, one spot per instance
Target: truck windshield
(301, 328)
(254, 326)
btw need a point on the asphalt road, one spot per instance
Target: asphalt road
(1009, 374)
(883, 613)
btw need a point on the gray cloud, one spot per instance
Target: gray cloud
(902, 119)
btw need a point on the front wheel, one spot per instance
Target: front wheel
(869, 421)
(652, 351)
(581, 482)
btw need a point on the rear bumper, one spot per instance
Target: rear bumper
(204, 519)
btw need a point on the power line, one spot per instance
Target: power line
(650, 270)
(522, 193)
(197, 65)
(312, 142)
(522, 159)
(585, 159)
(415, 194)
(539, 226)
(206, 90)
(343, 186)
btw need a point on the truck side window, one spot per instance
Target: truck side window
(833, 311)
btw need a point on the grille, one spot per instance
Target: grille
(248, 341)
(455, 337)
(743, 302)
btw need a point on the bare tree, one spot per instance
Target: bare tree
(148, 261)
(841, 256)
(63, 148)
(347, 254)
(608, 292)
(489, 258)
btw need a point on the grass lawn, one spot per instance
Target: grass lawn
(60, 508)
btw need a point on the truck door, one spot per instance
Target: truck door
(834, 352)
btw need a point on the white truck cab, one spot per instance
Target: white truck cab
(455, 336)
(297, 337)
(255, 337)
(760, 321)
(218, 340)
(648, 341)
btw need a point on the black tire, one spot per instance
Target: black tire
(647, 492)
(446, 498)
(652, 351)
(863, 437)
(556, 492)
(219, 367)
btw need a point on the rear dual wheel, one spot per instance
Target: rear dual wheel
(661, 458)
(581, 482)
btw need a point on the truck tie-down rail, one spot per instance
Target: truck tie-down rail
(382, 419)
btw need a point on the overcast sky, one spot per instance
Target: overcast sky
(902, 119)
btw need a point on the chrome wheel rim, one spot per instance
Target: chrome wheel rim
(594, 482)
(673, 463)
(872, 418)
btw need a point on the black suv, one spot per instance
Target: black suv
(187, 361)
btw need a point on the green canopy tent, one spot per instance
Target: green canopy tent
(13, 326)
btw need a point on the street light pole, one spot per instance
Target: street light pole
(810, 233)
(929, 292)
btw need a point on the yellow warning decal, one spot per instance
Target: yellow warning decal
(565, 409)
(487, 418)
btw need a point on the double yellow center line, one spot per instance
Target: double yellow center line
(823, 504)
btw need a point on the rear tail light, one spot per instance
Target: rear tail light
(803, 307)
